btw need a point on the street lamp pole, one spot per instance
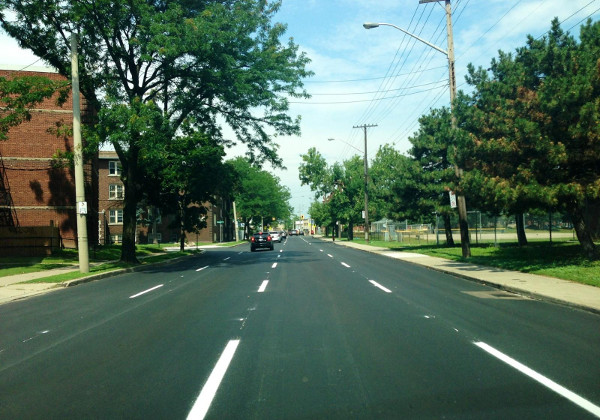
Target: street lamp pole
(461, 202)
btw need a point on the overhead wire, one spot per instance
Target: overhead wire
(396, 66)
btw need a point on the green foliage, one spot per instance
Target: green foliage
(19, 94)
(532, 134)
(149, 68)
(340, 187)
(258, 194)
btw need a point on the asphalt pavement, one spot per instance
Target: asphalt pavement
(309, 330)
(533, 286)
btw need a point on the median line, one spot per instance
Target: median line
(385, 289)
(263, 286)
(548, 383)
(211, 386)
(146, 291)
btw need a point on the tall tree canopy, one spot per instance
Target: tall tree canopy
(167, 62)
(533, 133)
(21, 93)
(258, 194)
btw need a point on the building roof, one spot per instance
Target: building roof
(107, 154)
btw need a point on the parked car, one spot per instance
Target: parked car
(261, 240)
(283, 234)
(275, 236)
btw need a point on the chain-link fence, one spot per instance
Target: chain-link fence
(483, 228)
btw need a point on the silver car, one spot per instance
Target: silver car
(275, 236)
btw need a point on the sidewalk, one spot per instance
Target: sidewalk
(549, 289)
(13, 287)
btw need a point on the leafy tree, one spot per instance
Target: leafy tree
(19, 94)
(258, 194)
(211, 61)
(340, 186)
(319, 214)
(433, 149)
(532, 125)
(192, 172)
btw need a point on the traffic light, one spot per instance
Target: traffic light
(302, 217)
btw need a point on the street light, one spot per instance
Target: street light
(462, 206)
(366, 166)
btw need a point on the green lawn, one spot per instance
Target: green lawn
(101, 258)
(563, 259)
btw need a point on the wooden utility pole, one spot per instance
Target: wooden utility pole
(81, 207)
(460, 197)
(364, 127)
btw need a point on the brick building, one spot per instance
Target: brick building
(41, 184)
(110, 207)
(37, 186)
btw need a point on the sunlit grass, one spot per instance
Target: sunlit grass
(563, 259)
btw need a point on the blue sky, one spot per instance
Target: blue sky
(381, 76)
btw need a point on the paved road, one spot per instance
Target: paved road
(310, 330)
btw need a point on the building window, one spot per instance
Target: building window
(116, 191)
(115, 217)
(116, 239)
(114, 168)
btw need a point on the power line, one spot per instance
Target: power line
(374, 91)
(370, 100)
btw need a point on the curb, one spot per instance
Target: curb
(526, 293)
(94, 277)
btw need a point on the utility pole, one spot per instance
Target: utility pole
(460, 197)
(364, 127)
(235, 224)
(81, 208)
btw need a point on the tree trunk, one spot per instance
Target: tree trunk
(350, 231)
(181, 226)
(521, 236)
(583, 234)
(129, 208)
(448, 230)
(154, 213)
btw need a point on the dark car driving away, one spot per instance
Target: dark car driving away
(261, 240)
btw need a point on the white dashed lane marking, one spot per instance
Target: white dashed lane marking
(145, 291)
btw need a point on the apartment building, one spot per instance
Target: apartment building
(110, 207)
(38, 184)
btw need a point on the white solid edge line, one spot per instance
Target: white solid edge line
(580, 401)
(200, 269)
(274, 265)
(385, 289)
(263, 286)
(211, 386)
(145, 291)
(345, 265)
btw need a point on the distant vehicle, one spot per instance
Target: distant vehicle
(301, 232)
(283, 234)
(275, 236)
(293, 232)
(261, 240)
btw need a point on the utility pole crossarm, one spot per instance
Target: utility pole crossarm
(364, 127)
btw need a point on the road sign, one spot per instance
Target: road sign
(452, 199)
(220, 222)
